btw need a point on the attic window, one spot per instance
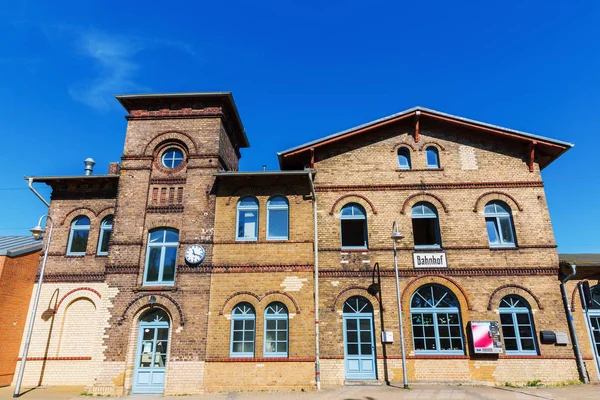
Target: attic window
(403, 158)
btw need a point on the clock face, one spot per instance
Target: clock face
(194, 254)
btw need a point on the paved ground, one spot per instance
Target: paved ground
(428, 392)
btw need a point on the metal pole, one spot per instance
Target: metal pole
(404, 375)
(576, 349)
(316, 248)
(34, 310)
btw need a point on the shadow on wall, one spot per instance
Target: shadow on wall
(48, 314)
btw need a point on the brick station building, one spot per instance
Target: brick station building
(176, 273)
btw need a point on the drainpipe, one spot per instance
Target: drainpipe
(36, 193)
(316, 247)
(565, 298)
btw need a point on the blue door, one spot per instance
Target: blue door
(151, 354)
(359, 343)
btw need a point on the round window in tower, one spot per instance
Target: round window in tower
(172, 158)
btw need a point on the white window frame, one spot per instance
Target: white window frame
(243, 316)
(513, 310)
(277, 315)
(437, 157)
(355, 217)
(241, 208)
(172, 159)
(104, 227)
(273, 207)
(496, 217)
(438, 233)
(78, 228)
(163, 246)
(406, 152)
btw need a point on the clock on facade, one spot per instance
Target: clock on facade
(194, 254)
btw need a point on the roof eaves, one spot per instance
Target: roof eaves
(262, 173)
(69, 177)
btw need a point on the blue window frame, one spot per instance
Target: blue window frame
(161, 257)
(105, 231)
(517, 326)
(353, 227)
(277, 218)
(426, 226)
(243, 327)
(403, 158)
(499, 224)
(172, 158)
(78, 237)
(433, 157)
(247, 219)
(435, 316)
(276, 330)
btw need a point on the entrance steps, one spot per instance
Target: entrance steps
(369, 382)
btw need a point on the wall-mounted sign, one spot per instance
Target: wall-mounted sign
(387, 337)
(486, 337)
(430, 259)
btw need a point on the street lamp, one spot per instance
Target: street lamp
(396, 236)
(37, 232)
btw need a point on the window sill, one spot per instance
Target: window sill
(425, 248)
(75, 255)
(249, 240)
(418, 169)
(438, 356)
(155, 289)
(354, 249)
(504, 248)
(102, 255)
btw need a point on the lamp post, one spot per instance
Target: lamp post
(396, 236)
(37, 232)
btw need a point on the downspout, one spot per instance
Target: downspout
(580, 367)
(36, 193)
(316, 248)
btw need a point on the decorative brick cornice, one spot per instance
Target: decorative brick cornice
(174, 208)
(369, 202)
(261, 241)
(403, 144)
(494, 195)
(418, 169)
(402, 249)
(144, 304)
(123, 168)
(56, 358)
(136, 157)
(515, 286)
(423, 197)
(125, 243)
(56, 278)
(432, 143)
(491, 271)
(121, 269)
(428, 186)
(168, 181)
(76, 290)
(262, 359)
(260, 298)
(223, 269)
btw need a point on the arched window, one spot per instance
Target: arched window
(403, 158)
(436, 325)
(353, 226)
(433, 157)
(105, 231)
(247, 219)
(499, 224)
(426, 226)
(243, 326)
(276, 330)
(595, 292)
(517, 325)
(277, 218)
(161, 257)
(78, 238)
(172, 158)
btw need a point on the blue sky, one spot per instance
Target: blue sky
(299, 70)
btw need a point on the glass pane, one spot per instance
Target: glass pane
(160, 361)
(527, 344)
(271, 324)
(248, 224)
(352, 336)
(511, 344)
(417, 331)
(351, 324)
(248, 347)
(237, 347)
(238, 325)
(445, 344)
(419, 344)
(403, 159)
(354, 233)
(80, 239)
(490, 208)
(172, 236)
(148, 334)
(169, 266)
(157, 236)
(427, 319)
(417, 318)
(508, 331)
(425, 231)
(365, 349)
(365, 324)
(453, 319)
(492, 230)
(270, 347)
(444, 331)
(147, 346)
(506, 319)
(278, 223)
(153, 264)
(365, 336)
(523, 318)
(163, 334)
(525, 331)
(430, 344)
(237, 336)
(248, 202)
(278, 201)
(249, 324)
(456, 344)
(429, 331)
(507, 233)
(81, 221)
(248, 336)
(432, 157)
(282, 324)
(161, 346)
(352, 349)
(282, 335)
(455, 331)
(282, 347)
(105, 238)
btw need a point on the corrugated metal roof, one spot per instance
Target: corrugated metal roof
(16, 245)
(583, 259)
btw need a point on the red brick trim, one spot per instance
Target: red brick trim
(126, 243)
(352, 195)
(432, 143)
(77, 212)
(136, 157)
(535, 271)
(112, 208)
(243, 191)
(170, 140)
(513, 285)
(89, 277)
(261, 241)
(73, 291)
(428, 186)
(424, 196)
(161, 148)
(135, 168)
(403, 144)
(480, 198)
(56, 358)
(122, 269)
(340, 295)
(419, 169)
(331, 357)
(418, 280)
(520, 247)
(168, 181)
(262, 359)
(260, 298)
(174, 208)
(433, 357)
(145, 304)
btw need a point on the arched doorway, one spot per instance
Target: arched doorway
(151, 353)
(359, 343)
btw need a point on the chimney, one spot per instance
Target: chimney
(114, 168)
(89, 165)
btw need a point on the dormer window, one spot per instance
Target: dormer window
(172, 158)
(433, 157)
(403, 158)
